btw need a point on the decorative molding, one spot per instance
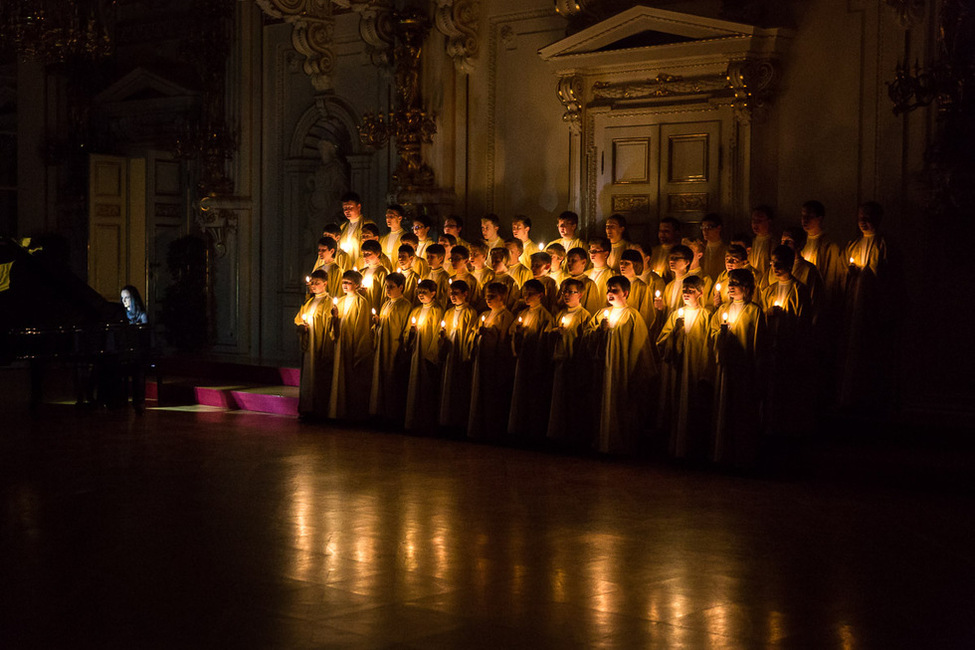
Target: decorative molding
(457, 20)
(570, 91)
(376, 28)
(312, 30)
(688, 202)
(752, 81)
(663, 85)
(631, 203)
(909, 12)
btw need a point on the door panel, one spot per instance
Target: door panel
(107, 225)
(690, 180)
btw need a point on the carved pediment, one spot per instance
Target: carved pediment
(143, 85)
(642, 32)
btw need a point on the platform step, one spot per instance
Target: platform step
(281, 400)
(221, 396)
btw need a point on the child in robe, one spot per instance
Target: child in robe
(480, 269)
(533, 365)
(493, 367)
(737, 340)
(437, 273)
(760, 253)
(390, 370)
(456, 349)
(623, 376)
(616, 236)
(352, 368)
(568, 222)
(600, 273)
(557, 253)
(342, 258)
(490, 225)
(712, 259)
(541, 264)
(698, 248)
(672, 296)
(518, 271)
(521, 231)
(459, 258)
(576, 261)
(423, 395)
(391, 240)
(686, 374)
(314, 323)
(420, 266)
(735, 258)
(448, 242)
(326, 262)
(373, 274)
(405, 261)
(570, 411)
(421, 228)
(499, 263)
(788, 317)
(370, 232)
(640, 298)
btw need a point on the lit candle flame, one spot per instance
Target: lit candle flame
(541, 245)
(520, 320)
(335, 301)
(778, 303)
(724, 318)
(717, 287)
(483, 319)
(307, 318)
(565, 321)
(345, 246)
(373, 311)
(851, 261)
(443, 324)
(656, 294)
(680, 313)
(307, 279)
(614, 317)
(413, 321)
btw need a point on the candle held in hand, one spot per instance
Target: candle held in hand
(680, 313)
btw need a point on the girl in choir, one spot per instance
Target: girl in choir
(737, 340)
(625, 367)
(686, 374)
(457, 346)
(423, 395)
(572, 370)
(317, 349)
(352, 368)
(390, 370)
(493, 366)
(533, 365)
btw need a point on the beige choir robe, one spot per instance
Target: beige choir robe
(641, 299)
(760, 284)
(491, 377)
(623, 374)
(520, 273)
(373, 286)
(592, 302)
(317, 351)
(497, 242)
(514, 291)
(673, 294)
(333, 271)
(457, 347)
(737, 350)
(867, 323)
(569, 412)
(442, 279)
(551, 295)
(420, 267)
(475, 293)
(351, 238)
(760, 254)
(409, 285)
(423, 394)
(344, 260)
(421, 247)
(600, 277)
(823, 253)
(557, 276)
(391, 243)
(713, 261)
(390, 370)
(532, 386)
(685, 382)
(352, 369)
(530, 248)
(809, 276)
(615, 251)
(788, 315)
(484, 276)
(384, 261)
(569, 243)
(660, 262)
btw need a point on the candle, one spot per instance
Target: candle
(483, 318)
(367, 282)
(307, 318)
(565, 321)
(373, 311)
(614, 317)
(520, 320)
(851, 261)
(541, 245)
(778, 303)
(680, 313)
(724, 318)
(413, 321)
(450, 280)
(656, 294)
(335, 302)
(717, 287)
(443, 324)
(307, 279)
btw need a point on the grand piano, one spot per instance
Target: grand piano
(49, 316)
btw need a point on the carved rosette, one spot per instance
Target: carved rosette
(752, 81)
(570, 91)
(457, 20)
(312, 28)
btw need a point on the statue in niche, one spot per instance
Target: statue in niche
(325, 188)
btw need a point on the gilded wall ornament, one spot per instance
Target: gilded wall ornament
(570, 91)
(663, 85)
(312, 28)
(457, 20)
(752, 81)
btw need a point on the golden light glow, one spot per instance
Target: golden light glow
(680, 313)
(717, 288)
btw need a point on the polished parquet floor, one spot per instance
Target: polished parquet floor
(228, 530)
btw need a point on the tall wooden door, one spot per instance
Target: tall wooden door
(647, 171)
(116, 225)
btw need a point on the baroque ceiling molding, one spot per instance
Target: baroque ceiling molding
(375, 27)
(457, 20)
(312, 28)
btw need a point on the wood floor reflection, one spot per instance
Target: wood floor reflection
(244, 531)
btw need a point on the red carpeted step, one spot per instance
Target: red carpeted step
(221, 396)
(280, 400)
(290, 376)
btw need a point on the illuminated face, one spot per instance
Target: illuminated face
(324, 254)
(779, 267)
(493, 300)
(736, 290)
(435, 261)
(451, 228)
(519, 230)
(614, 232)
(567, 229)
(367, 235)
(393, 290)
(352, 210)
(478, 259)
(394, 219)
(760, 223)
(488, 230)
(425, 296)
(126, 299)
(677, 264)
(513, 253)
(732, 262)
(457, 297)
(457, 262)
(443, 241)
(405, 260)
(667, 234)
(349, 287)
(811, 222)
(576, 264)
(616, 296)
(710, 231)
(420, 230)
(316, 286)
(787, 240)
(598, 254)
(864, 223)
(691, 296)
(371, 258)
(556, 259)
(627, 269)
(571, 296)
(539, 268)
